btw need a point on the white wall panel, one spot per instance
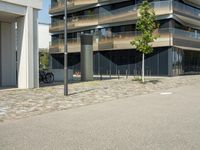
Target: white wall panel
(8, 55)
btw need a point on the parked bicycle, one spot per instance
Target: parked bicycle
(46, 77)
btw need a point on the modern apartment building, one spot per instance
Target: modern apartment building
(19, 43)
(112, 23)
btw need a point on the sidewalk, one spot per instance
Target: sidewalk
(147, 122)
(16, 104)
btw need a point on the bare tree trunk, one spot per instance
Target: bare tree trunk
(143, 68)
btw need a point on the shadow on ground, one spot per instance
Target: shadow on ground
(76, 80)
(152, 81)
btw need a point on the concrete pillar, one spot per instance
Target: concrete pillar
(8, 54)
(0, 59)
(86, 57)
(27, 48)
(35, 48)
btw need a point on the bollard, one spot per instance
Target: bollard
(126, 74)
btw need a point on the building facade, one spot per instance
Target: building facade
(19, 43)
(112, 24)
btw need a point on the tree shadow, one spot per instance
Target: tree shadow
(154, 81)
(76, 80)
(79, 92)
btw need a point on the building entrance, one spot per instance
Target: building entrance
(19, 65)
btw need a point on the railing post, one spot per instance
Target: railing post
(118, 74)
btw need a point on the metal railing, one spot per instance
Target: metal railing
(58, 6)
(73, 22)
(123, 14)
(122, 40)
(185, 9)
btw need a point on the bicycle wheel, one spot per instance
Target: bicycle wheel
(49, 78)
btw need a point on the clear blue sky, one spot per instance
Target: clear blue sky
(43, 14)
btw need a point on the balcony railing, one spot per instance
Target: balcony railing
(130, 12)
(74, 23)
(122, 40)
(73, 44)
(123, 14)
(178, 33)
(71, 4)
(186, 10)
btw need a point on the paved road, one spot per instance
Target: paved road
(149, 122)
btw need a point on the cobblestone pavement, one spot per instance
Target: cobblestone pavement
(15, 104)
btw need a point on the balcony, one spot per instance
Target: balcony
(57, 46)
(193, 2)
(130, 13)
(57, 7)
(187, 13)
(82, 21)
(71, 4)
(57, 26)
(74, 23)
(74, 45)
(121, 41)
(186, 38)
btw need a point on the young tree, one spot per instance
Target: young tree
(146, 25)
(44, 59)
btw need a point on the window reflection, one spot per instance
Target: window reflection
(185, 62)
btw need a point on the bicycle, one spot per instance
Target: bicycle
(46, 77)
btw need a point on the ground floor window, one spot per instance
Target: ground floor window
(119, 61)
(185, 61)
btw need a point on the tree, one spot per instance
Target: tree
(44, 59)
(146, 25)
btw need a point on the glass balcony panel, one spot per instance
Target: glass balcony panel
(130, 12)
(59, 6)
(186, 10)
(122, 40)
(74, 22)
(185, 34)
(73, 45)
(82, 21)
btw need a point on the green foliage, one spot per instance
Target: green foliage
(146, 25)
(44, 60)
(137, 79)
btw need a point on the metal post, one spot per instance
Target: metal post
(100, 76)
(126, 74)
(65, 54)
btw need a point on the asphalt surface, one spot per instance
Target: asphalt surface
(167, 121)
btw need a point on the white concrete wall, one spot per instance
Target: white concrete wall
(25, 14)
(28, 69)
(35, 48)
(44, 36)
(12, 8)
(30, 3)
(8, 54)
